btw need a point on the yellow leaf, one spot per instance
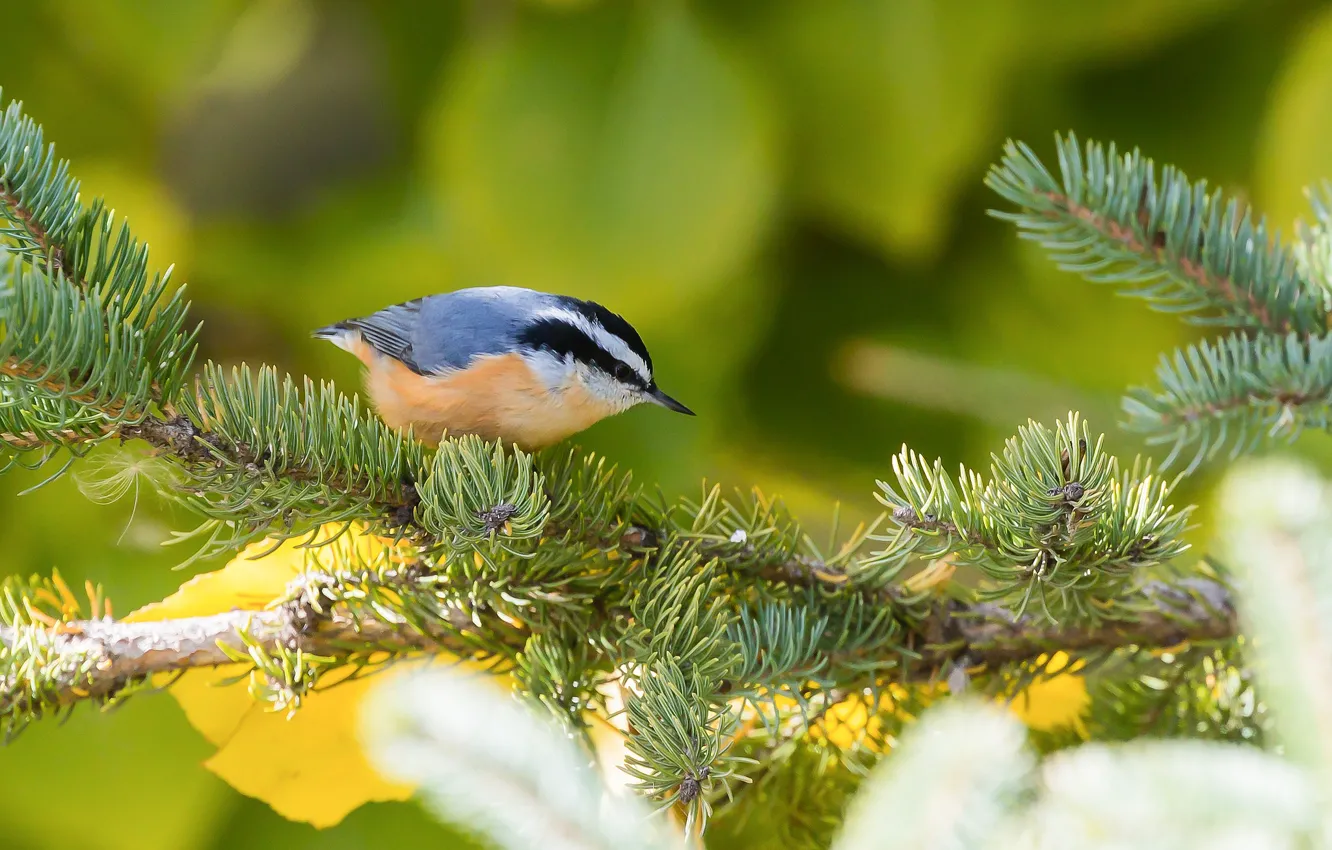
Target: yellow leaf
(852, 721)
(847, 722)
(1057, 702)
(308, 766)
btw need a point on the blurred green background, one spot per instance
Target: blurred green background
(784, 196)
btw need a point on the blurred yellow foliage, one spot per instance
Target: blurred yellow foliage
(852, 721)
(1056, 702)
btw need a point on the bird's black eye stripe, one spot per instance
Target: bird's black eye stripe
(564, 339)
(613, 322)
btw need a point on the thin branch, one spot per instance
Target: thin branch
(180, 436)
(1193, 610)
(116, 654)
(795, 571)
(120, 653)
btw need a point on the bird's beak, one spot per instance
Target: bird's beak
(659, 397)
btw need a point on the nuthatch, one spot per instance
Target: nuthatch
(524, 367)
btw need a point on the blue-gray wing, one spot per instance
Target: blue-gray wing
(444, 332)
(457, 326)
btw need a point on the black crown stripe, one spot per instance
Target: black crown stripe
(612, 322)
(564, 339)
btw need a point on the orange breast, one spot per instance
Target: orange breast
(497, 397)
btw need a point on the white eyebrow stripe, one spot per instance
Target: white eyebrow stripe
(609, 342)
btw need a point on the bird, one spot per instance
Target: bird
(505, 363)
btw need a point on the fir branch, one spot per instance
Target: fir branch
(71, 346)
(677, 749)
(117, 653)
(257, 452)
(51, 228)
(476, 493)
(821, 642)
(560, 671)
(1057, 522)
(271, 459)
(89, 340)
(320, 449)
(1235, 393)
(1112, 219)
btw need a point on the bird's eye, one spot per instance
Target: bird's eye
(623, 373)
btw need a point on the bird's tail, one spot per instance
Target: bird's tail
(331, 332)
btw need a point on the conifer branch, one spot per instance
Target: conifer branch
(1058, 523)
(21, 218)
(1235, 393)
(1112, 219)
(99, 657)
(89, 339)
(1193, 610)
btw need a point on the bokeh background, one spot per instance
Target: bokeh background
(784, 196)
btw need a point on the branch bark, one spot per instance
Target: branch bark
(1190, 611)
(120, 653)
(114, 654)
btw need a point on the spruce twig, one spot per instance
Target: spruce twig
(1113, 218)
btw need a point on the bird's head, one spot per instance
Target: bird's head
(581, 342)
